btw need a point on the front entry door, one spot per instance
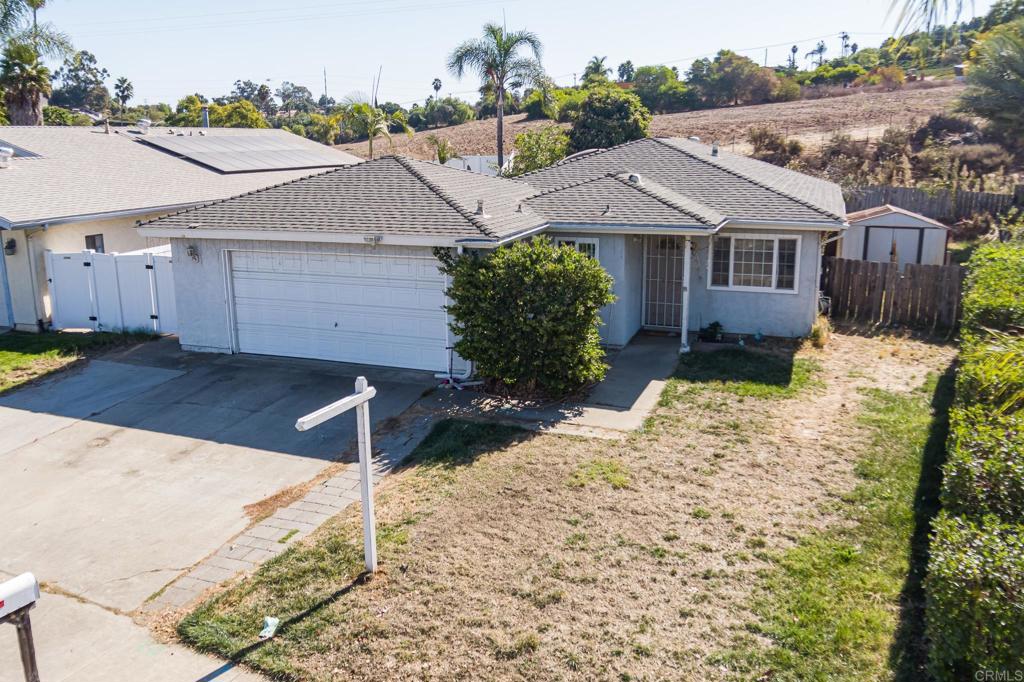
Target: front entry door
(663, 282)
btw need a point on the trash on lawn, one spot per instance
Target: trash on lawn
(269, 627)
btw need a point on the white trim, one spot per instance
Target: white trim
(684, 314)
(576, 241)
(733, 236)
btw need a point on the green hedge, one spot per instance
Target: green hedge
(975, 582)
(994, 290)
(992, 373)
(975, 587)
(985, 470)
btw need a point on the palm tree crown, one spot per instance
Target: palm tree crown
(496, 58)
(25, 81)
(373, 122)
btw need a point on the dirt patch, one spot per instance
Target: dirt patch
(812, 121)
(563, 558)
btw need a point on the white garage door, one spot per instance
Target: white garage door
(365, 307)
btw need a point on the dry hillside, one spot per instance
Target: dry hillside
(811, 121)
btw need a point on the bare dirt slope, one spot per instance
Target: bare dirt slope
(811, 121)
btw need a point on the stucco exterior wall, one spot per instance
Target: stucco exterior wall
(119, 234)
(933, 251)
(621, 256)
(769, 312)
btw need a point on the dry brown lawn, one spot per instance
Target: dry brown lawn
(554, 557)
(810, 121)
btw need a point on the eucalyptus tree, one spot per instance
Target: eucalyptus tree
(497, 58)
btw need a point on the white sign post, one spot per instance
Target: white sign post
(360, 400)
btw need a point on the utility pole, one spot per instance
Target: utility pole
(325, 81)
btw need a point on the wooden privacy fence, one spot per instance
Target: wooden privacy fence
(946, 206)
(924, 296)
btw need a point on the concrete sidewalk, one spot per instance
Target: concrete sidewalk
(81, 642)
(616, 406)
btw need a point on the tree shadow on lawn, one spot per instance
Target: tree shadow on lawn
(749, 372)
(908, 655)
(458, 442)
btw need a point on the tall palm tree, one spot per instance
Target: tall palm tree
(19, 22)
(123, 92)
(365, 119)
(437, 87)
(495, 58)
(25, 81)
(792, 57)
(595, 68)
(819, 50)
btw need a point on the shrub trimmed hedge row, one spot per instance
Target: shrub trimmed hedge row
(975, 591)
(975, 582)
(994, 290)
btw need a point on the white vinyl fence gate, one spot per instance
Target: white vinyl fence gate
(111, 291)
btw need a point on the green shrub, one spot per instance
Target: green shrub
(527, 315)
(994, 290)
(991, 373)
(985, 470)
(609, 117)
(568, 102)
(540, 148)
(975, 608)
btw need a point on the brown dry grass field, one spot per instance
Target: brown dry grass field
(810, 121)
(542, 556)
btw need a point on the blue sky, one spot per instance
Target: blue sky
(168, 50)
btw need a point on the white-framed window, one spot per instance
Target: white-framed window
(587, 245)
(754, 262)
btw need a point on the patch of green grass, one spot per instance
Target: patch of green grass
(456, 442)
(700, 513)
(522, 645)
(25, 357)
(610, 471)
(845, 604)
(743, 373)
(288, 536)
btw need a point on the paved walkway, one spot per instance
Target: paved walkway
(270, 537)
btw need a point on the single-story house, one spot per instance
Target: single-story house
(886, 233)
(68, 189)
(341, 266)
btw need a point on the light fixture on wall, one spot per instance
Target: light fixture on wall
(10, 247)
(193, 252)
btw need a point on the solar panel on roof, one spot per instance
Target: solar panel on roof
(246, 153)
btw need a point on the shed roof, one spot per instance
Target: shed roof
(888, 209)
(79, 173)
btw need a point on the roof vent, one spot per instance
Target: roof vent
(714, 148)
(6, 154)
(480, 208)
(635, 179)
(693, 138)
(205, 116)
(144, 124)
(607, 210)
(519, 208)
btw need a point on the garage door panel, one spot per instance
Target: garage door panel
(351, 307)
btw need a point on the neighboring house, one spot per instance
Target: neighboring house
(340, 265)
(76, 188)
(886, 233)
(485, 165)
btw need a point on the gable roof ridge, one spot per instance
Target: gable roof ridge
(251, 192)
(444, 196)
(584, 155)
(570, 185)
(744, 176)
(643, 189)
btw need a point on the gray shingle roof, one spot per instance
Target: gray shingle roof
(391, 195)
(615, 200)
(735, 186)
(83, 171)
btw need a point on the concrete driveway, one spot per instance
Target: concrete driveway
(119, 476)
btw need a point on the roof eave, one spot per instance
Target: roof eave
(98, 215)
(241, 234)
